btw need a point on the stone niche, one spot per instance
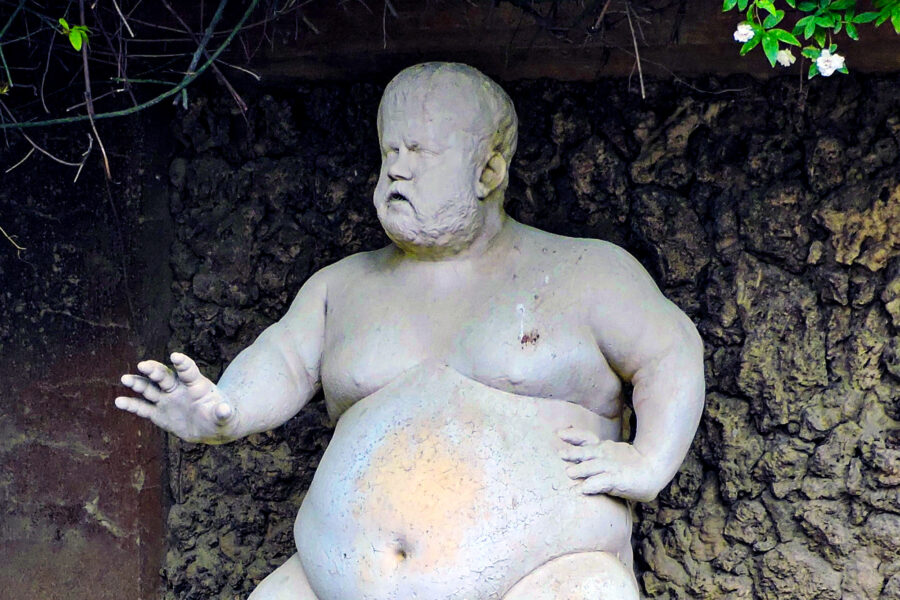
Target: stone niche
(770, 215)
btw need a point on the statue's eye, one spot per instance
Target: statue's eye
(413, 148)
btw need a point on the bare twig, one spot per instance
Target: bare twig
(599, 21)
(34, 144)
(124, 20)
(103, 95)
(188, 79)
(46, 68)
(84, 157)
(242, 106)
(207, 34)
(89, 101)
(678, 79)
(11, 241)
(255, 76)
(309, 24)
(24, 158)
(637, 54)
(2, 32)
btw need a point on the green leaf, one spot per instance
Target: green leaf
(883, 16)
(851, 31)
(75, 39)
(826, 21)
(820, 37)
(791, 3)
(824, 3)
(742, 5)
(766, 5)
(64, 24)
(773, 20)
(842, 5)
(750, 45)
(838, 26)
(813, 70)
(844, 70)
(811, 52)
(783, 36)
(770, 47)
(866, 17)
(895, 21)
(807, 6)
(728, 5)
(809, 29)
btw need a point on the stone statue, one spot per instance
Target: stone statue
(474, 368)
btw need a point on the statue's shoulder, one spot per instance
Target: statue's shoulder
(583, 253)
(353, 267)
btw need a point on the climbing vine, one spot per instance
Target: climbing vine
(818, 24)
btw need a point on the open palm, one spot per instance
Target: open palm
(183, 401)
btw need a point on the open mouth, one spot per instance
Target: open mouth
(396, 196)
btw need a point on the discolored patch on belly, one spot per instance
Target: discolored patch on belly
(426, 489)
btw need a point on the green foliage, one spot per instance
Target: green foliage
(816, 23)
(78, 34)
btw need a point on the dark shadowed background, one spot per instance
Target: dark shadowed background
(768, 210)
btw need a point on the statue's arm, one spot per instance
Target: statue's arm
(273, 378)
(651, 343)
(264, 386)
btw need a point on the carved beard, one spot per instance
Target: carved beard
(448, 230)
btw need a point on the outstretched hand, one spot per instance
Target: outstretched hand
(183, 401)
(608, 467)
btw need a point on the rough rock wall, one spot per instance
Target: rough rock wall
(770, 214)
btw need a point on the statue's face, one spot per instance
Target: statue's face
(426, 196)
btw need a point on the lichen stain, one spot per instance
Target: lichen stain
(423, 486)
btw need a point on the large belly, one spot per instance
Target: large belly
(438, 487)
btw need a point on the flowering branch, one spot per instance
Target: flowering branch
(817, 22)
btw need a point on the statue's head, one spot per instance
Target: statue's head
(447, 135)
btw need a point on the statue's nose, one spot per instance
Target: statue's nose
(400, 170)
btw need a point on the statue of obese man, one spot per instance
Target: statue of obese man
(474, 369)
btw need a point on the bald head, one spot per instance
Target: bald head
(460, 96)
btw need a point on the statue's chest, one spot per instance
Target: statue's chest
(532, 343)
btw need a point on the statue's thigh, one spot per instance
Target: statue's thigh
(287, 582)
(581, 576)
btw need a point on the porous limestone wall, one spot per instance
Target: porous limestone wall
(769, 212)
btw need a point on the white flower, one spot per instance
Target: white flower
(744, 33)
(828, 63)
(785, 58)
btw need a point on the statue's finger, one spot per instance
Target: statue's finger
(142, 386)
(577, 454)
(190, 374)
(224, 411)
(578, 437)
(163, 377)
(588, 468)
(598, 484)
(148, 366)
(186, 367)
(141, 408)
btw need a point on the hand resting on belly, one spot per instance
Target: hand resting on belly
(437, 486)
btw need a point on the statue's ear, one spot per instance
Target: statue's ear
(493, 172)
